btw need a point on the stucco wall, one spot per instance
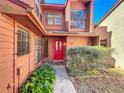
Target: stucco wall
(115, 23)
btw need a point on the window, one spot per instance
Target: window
(57, 19)
(57, 45)
(37, 10)
(38, 47)
(103, 43)
(22, 42)
(54, 18)
(78, 19)
(49, 19)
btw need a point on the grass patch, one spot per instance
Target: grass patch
(116, 72)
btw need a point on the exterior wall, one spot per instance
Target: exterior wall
(115, 23)
(25, 63)
(50, 49)
(104, 35)
(90, 17)
(14, 70)
(6, 54)
(76, 41)
(33, 4)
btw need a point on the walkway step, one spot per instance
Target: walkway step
(63, 84)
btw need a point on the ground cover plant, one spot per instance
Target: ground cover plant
(41, 81)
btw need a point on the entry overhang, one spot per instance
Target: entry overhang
(84, 34)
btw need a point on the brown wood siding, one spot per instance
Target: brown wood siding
(25, 63)
(8, 46)
(6, 54)
(77, 41)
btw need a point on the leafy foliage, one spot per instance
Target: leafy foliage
(85, 60)
(41, 81)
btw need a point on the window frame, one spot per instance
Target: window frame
(73, 20)
(60, 15)
(23, 42)
(53, 18)
(104, 42)
(46, 15)
(38, 49)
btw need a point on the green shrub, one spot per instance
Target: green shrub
(84, 60)
(41, 81)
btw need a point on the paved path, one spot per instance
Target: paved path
(63, 83)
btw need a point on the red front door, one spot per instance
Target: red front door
(58, 49)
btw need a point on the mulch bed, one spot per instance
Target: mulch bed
(98, 84)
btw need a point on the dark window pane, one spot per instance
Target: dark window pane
(22, 42)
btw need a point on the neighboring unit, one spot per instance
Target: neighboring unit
(113, 23)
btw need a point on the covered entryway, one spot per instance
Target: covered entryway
(56, 49)
(59, 49)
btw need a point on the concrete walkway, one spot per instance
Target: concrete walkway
(63, 83)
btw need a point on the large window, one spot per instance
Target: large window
(22, 42)
(38, 47)
(78, 19)
(54, 18)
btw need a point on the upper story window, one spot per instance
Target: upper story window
(49, 19)
(57, 19)
(23, 41)
(78, 19)
(54, 18)
(37, 8)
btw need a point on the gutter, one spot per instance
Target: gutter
(36, 19)
(31, 15)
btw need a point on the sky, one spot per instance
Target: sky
(101, 7)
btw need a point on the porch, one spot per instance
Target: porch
(55, 47)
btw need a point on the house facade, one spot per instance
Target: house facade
(113, 23)
(32, 31)
(68, 25)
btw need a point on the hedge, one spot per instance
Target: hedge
(85, 60)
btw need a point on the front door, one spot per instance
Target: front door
(58, 49)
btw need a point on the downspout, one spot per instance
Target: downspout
(14, 57)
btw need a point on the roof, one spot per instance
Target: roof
(112, 9)
(53, 6)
